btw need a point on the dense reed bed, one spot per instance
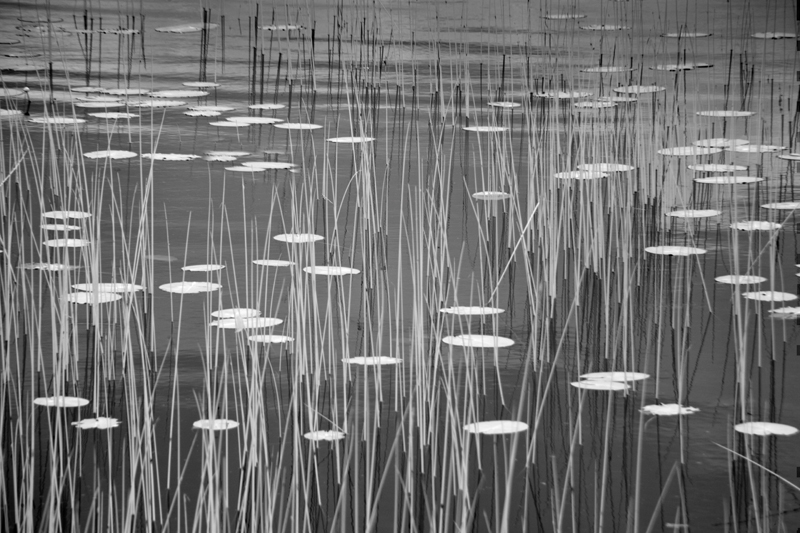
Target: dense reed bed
(357, 268)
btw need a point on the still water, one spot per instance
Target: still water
(562, 255)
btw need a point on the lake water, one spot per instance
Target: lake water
(564, 257)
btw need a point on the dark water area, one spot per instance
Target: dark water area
(565, 260)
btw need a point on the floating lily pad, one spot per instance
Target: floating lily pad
(110, 154)
(66, 243)
(324, 435)
(721, 142)
(61, 401)
(92, 298)
(100, 422)
(350, 140)
(729, 180)
(66, 215)
(60, 227)
(216, 108)
(269, 165)
(49, 267)
(298, 238)
(218, 424)
(202, 113)
(716, 167)
(756, 148)
(491, 196)
(563, 95)
(756, 225)
(202, 268)
(600, 384)
(604, 27)
(485, 129)
(615, 376)
(478, 341)
(685, 34)
(774, 35)
(267, 107)
(254, 120)
(496, 427)
(127, 91)
(770, 296)
(297, 126)
(674, 250)
(505, 105)
(726, 114)
(190, 287)
(103, 104)
(229, 124)
(471, 310)
(694, 213)
(595, 104)
(108, 287)
(563, 16)
(112, 115)
(610, 69)
(170, 157)
(178, 93)
(782, 206)
(740, 279)
(53, 120)
(765, 429)
(373, 361)
(789, 157)
(330, 270)
(156, 103)
(668, 409)
(187, 28)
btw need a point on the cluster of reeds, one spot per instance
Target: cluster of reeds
(450, 261)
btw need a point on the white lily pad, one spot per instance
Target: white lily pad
(187, 28)
(755, 148)
(609, 69)
(61, 401)
(66, 243)
(729, 180)
(330, 270)
(113, 115)
(756, 225)
(373, 361)
(170, 157)
(478, 341)
(505, 105)
(774, 35)
(721, 142)
(485, 129)
(615, 376)
(324, 435)
(100, 422)
(298, 238)
(716, 167)
(563, 95)
(668, 409)
(178, 93)
(600, 384)
(269, 165)
(694, 213)
(66, 215)
(60, 227)
(190, 287)
(92, 298)
(471, 310)
(765, 429)
(216, 108)
(674, 250)
(496, 427)
(218, 424)
(202, 268)
(254, 120)
(491, 196)
(108, 287)
(110, 154)
(297, 126)
(770, 296)
(741, 279)
(350, 140)
(726, 113)
(782, 206)
(54, 120)
(685, 34)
